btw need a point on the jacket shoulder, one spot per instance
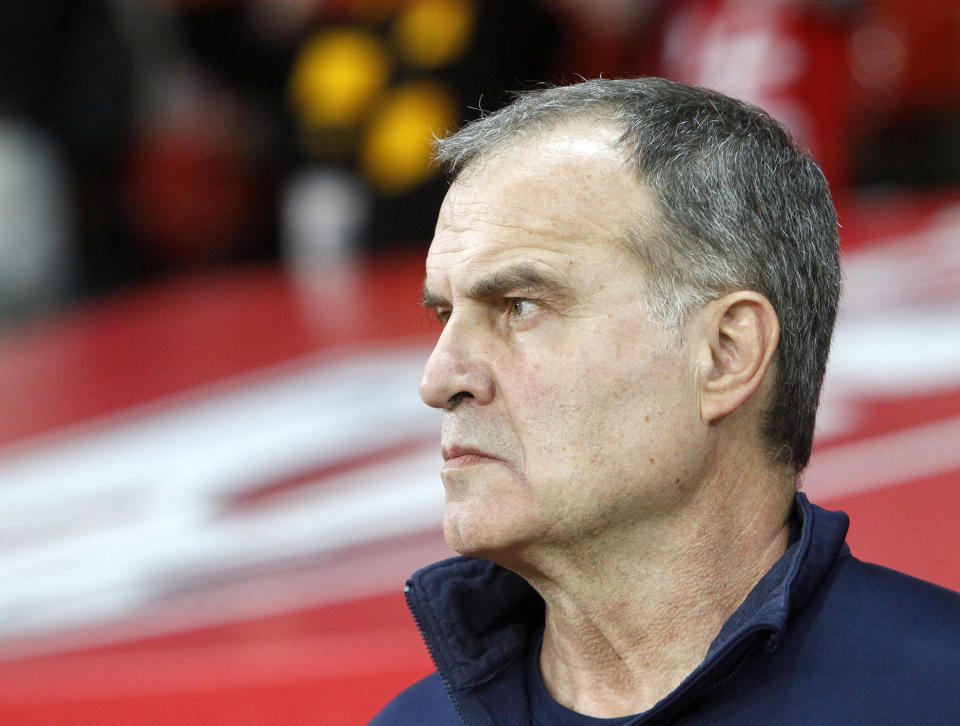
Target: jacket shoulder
(895, 604)
(425, 703)
(880, 642)
(872, 646)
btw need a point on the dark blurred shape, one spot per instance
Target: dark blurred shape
(65, 72)
(916, 151)
(361, 88)
(194, 191)
(66, 68)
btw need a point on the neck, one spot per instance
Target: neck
(631, 614)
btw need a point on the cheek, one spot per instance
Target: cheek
(560, 408)
(604, 410)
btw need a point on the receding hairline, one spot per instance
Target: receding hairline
(542, 126)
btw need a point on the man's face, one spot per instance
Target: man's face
(568, 413)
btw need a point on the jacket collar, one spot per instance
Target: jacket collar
(476, 617)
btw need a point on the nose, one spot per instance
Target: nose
(455, 372)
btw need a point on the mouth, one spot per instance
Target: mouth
(459, 457)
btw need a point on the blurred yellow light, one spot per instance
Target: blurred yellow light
(337, 76)
(395, 153)
(432, 33)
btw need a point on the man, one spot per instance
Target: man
(637, 282)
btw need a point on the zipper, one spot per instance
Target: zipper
(726, 677)
(749, 642)
(409, 595)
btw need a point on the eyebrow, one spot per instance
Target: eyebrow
(430, 300)
(519, 278)
(515, 278)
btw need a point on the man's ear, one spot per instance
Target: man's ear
(737, 335)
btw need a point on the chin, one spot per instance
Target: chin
(467, 536)
(494, 536)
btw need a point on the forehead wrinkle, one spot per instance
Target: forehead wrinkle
(507, 215)
(540, 202)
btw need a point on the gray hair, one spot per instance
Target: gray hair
(740, 207)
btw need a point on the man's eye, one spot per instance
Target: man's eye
(520, 306)
(442, 315)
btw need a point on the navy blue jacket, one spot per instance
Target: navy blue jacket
(822, 639)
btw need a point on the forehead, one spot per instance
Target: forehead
(561, 199)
